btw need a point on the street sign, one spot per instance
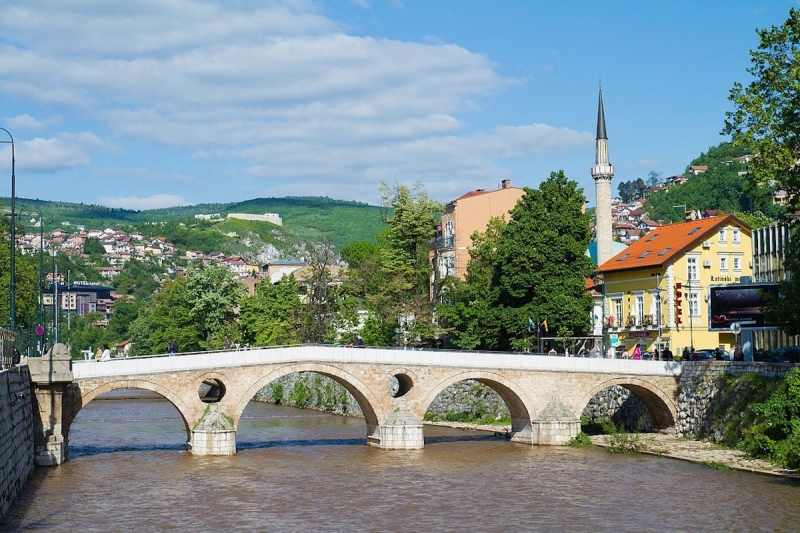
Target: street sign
(613, 339)
(736, 328)
(39, 330)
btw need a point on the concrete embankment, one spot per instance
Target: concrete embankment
(16, 434)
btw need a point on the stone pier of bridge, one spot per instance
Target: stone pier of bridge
(544, 395)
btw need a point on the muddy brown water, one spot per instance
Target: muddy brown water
(299, 470)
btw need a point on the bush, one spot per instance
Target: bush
(775, 432)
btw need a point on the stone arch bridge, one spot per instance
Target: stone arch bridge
(545, 395)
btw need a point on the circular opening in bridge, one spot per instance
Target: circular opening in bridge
(399, 385)
(211, 390)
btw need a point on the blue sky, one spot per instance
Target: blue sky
(169, 102)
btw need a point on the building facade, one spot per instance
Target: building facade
(655, 292)
(464, 216)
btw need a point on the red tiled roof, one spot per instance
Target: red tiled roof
(470, 194)
(662, 245)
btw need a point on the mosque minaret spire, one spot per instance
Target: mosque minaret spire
(603, 173)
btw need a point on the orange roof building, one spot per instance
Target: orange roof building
(464, 216)
(656, 290)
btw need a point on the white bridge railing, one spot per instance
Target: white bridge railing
(125, 366)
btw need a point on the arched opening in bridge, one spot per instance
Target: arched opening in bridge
(211, 390)
(125, 420)
(306, 407)
(483, 401)
(468, 401)
(626, 407)
(399, 385)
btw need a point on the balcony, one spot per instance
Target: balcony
(644, 321)
(445, 243)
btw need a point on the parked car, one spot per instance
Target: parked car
(709, 354)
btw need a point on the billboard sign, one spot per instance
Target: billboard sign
(742, 303)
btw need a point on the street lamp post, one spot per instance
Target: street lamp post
(13, 317)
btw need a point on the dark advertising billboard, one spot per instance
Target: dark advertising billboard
(739, 303)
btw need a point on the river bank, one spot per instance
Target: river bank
(666, 445)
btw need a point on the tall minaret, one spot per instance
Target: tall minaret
(602, 172)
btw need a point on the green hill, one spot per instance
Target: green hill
(313, 219)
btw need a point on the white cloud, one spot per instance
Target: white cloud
(275, 90)
(68, 150)
(155, 201)
(26, 122)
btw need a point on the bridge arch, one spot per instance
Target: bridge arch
(79, 398)
(519, 406)
(661, 408)
(366, 399)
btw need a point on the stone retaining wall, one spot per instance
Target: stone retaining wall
(16, 434)
(701, 388)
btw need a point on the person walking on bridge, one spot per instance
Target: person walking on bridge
(172, 347)
(228, 342)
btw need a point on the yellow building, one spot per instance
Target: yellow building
(464, 216)
(655, 292)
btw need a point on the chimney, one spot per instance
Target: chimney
(505, 184)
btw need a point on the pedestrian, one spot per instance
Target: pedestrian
(685, 355)
(106, 353)
(228, 342)
(738, 354)
(358, 342)
(99, 353)
(636, 353)
(172, 347)
(666, 355)
(717, 354)
(15, 357)
(656, 355)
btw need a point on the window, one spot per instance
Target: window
(664, 251)
(645, 254)
(694, 304)
(657, 305)
(735, 237)
(652, 237)
(448, 228)
(639, 308)
(616, 305)
(723, 262)
(691, 268)
(723, 236)
(695, 230)
(737, 263)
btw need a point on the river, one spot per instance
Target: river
(299, 470)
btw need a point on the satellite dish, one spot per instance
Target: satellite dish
(736, 328)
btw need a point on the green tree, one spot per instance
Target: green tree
(541, 262)
(399, 293)
(169, 316)
(138, 279)
(272, 316)
(213, 294)
(764, 121)
(94, 249)
(467, 309)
